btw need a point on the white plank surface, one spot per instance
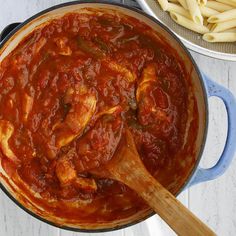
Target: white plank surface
(214, 202)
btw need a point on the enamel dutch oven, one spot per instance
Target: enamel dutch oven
(202, 89)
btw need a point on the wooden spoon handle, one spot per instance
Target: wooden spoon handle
(130, 170)
(175, 214)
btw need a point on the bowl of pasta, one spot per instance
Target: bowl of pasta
(204, 26)
(71, 77)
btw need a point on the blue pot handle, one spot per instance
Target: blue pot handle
(201, 174)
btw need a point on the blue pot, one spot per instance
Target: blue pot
(203, 88)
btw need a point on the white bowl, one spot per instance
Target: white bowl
(192, 40)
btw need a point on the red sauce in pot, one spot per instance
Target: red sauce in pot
(67, 90)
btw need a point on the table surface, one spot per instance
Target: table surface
(213, 202)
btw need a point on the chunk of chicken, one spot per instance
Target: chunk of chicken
(148, 77)
(86, 184)
(152, 101)
(83, 105)
(110, 111)
(65, 171)
(67, 175)
(27, 104)
(6, 131)
(112, 65)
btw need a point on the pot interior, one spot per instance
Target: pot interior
(197, 101)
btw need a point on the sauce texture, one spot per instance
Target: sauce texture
(67, 90)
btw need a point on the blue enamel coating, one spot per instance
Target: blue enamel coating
(201, 174)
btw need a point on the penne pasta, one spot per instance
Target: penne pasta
(228, 2)
(223, 16)
(202, 2)
(231, 30)
(207, 12)
(195, 11)
(183, 4)
(189, 24)
(209, 26)
(216, 20)
(222, 26)
(205, 23)
(163, 4)
(218, 6)
(220, 37)
(178, 9)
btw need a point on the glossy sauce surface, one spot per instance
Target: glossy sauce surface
(67, 91)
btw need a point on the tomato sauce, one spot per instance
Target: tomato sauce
(66, 92)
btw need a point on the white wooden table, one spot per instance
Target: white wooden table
(214, 202)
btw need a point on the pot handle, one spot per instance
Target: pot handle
(201, 174)
(8, 29)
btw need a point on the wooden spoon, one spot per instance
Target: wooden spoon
(127, 167)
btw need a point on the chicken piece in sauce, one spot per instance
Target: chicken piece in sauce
(67, 175)
(152, 101)
(6, 131)
(82, 107)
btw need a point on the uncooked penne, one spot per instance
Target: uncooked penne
(202, 2)
(223, 16)
(195, 11)
(207, 12)
(222, 26)
(183, 4)
(205, 23)
(218, 6)
(163, 4)
(173, 1)
(220, 37)
(209, 26)
(233, 30)
(228, 2)
(189, 24)
(178, 9)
